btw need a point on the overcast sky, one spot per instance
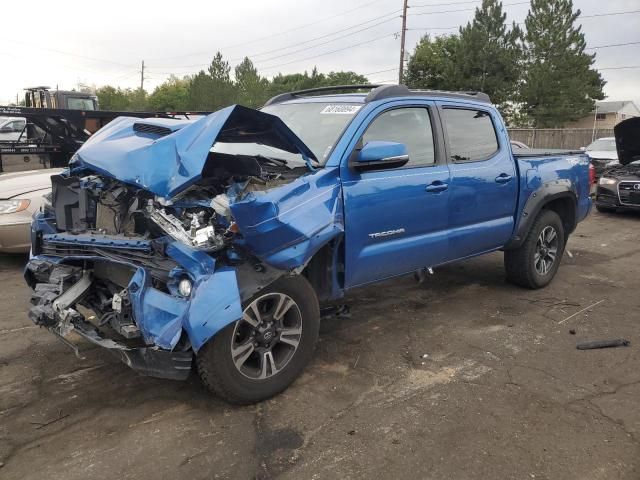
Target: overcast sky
(104, 43)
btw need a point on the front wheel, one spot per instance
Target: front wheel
(535, 263)
(261, 354)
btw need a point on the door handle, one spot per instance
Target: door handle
(503, 178)
(437, 186)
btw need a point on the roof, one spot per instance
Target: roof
(613, 107)
(376, 92)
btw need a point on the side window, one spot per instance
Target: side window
(411, 126)
(472, 136)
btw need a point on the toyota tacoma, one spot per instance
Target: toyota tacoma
(213, 241)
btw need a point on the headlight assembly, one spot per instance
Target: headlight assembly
(13, 206)
(607, 181)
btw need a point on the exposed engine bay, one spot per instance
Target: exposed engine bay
(199, 217)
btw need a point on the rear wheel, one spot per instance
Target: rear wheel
(260, 355)
(535, 263)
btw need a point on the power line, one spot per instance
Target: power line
(327, 42)
(297, 44)
(274, 34)
(618, 68)
(66, 53)
(442, 4)
(522, 23)
(328, 53)
(612, 45)
(381, 71)
(463, 9)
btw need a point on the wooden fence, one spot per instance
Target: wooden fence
(570, 138)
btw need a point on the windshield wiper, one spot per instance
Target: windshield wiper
(278, 162)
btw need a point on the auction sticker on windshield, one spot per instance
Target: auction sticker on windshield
(340, 109)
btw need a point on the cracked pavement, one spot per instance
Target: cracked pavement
(463, 376)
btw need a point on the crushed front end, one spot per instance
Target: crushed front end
(124, 272)
(147, 260)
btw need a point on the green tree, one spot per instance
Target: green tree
(560, 84)
(433, 63)
(115, 99)
(296, 81)
(172, 95)
(345, 78)
(137, 100)
(251, 88)
(201, 92)
(213, 89)
(488, 57)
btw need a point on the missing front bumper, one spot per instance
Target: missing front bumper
(54, 308)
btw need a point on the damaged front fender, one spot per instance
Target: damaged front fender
(286, 226)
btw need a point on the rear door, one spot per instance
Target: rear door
(396, 219)
(484, 182)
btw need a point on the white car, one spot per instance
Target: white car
(603, 154)
(11, 129)
(20, 196)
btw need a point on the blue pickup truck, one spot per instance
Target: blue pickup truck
(215, 240)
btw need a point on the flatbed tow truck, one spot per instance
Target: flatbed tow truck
(57, 124)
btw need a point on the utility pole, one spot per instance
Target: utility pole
(142, 76)
(402, 35)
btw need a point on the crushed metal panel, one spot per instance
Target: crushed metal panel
(215, 303)
(286, 226)
(169, 164)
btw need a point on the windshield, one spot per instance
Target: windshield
(74, 103)
(318, 125)
(603, 145)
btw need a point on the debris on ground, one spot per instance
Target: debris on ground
(40, 425)
(335, 311)
(581, 311)
(618, 342)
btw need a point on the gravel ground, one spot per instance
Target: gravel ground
(463, 376)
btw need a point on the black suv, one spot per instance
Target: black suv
(619, 186)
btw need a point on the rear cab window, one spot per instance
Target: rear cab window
(471, 134)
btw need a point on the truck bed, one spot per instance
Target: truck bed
(543, 152)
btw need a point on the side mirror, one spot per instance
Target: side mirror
(380, 155)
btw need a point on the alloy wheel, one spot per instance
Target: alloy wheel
(546, 250)
(266, 338)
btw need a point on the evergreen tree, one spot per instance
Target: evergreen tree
(559, 84)
(488, 55)
(433, 63)
(201, 96)
(251, 87)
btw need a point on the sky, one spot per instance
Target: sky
(79, 42)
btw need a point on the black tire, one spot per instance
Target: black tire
(602, 209)
(215, 360)
(520, 263)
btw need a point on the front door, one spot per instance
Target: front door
(396, 219)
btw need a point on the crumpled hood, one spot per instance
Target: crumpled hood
(166, 156)
(627, 135)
